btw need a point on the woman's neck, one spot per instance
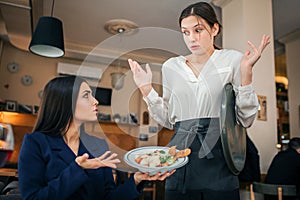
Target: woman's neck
(71, 138)
(72, 135)
(200, 59)
(196, 62)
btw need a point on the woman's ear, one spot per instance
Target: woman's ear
(215, 29)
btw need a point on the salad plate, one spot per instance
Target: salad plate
(131, 159)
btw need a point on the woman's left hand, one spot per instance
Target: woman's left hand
(250, 58)
(108, 159)
(139, 176)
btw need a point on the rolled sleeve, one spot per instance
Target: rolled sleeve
(152, 98)
(247, 105)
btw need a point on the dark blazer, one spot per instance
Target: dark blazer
(47, 170)
(285, 168)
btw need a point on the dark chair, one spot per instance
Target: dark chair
(151, 187)
(272, 189)
(11, 191)
(120, 177)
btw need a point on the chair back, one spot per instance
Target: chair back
(272, 189)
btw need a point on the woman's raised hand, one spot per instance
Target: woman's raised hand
(250, 58)
(142, 78)
(108, 159)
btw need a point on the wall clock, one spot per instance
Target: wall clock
(13, 67)
(26, 80)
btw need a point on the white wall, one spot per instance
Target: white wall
(248, 20)
(44, 69)
(41, 69)
(293, 72)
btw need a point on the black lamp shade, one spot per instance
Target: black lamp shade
(48, 39)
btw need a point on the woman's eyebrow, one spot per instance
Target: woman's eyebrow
(86, 91)
(193, 26)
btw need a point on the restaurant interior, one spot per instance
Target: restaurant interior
(99, 37)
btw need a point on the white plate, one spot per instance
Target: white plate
(130, 157)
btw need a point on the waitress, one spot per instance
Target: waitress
(192, 90)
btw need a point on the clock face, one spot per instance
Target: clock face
(26, 80)
(13, 67)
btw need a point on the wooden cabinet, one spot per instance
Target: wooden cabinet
(164, 136)
(124, 136)
(283, 125)
(21, 124)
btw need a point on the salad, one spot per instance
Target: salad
(162, 158)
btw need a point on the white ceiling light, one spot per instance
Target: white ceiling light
(116, 26)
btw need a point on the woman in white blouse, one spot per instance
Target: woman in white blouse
(192, 90)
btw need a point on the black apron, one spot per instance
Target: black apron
(207, 168)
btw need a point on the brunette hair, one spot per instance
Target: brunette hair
(203, 10)
(57, 105)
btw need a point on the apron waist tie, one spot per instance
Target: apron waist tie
(199, 128)
(204, 149)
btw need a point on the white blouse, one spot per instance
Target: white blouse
(186, 96)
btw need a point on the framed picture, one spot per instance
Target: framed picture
(11, 105)
(24, 108)
(2, 105)
(35, 109)
(262, 111)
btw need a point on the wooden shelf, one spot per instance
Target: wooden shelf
(283, 116)
(8, 172)
(283, 94)
(18, 119)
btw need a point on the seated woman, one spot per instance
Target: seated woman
(55, 161)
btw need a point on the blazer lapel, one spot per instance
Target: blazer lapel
(62, 150)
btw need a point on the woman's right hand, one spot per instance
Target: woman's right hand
(142, 78)
(139, 176)
(106, 160)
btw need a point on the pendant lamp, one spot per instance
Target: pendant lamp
(117, 80)
(47, 39)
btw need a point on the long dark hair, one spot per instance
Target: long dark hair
(203, 10)
(57, 105)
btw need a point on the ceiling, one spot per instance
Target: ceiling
(86, 37)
